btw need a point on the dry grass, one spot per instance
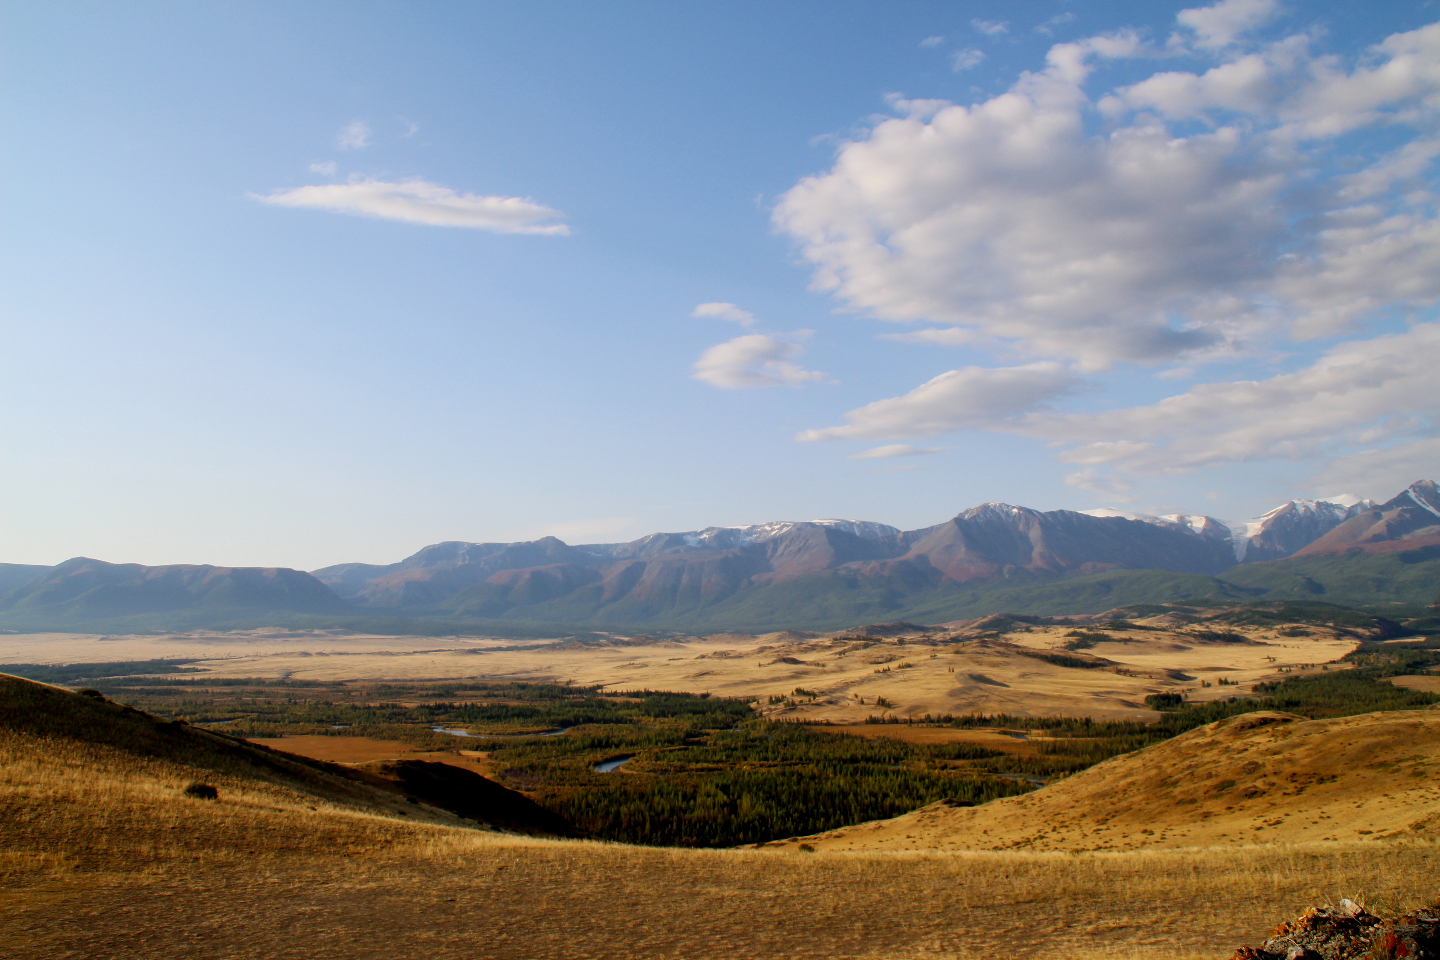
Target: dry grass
(104, 857)
(1261, 776)
(916, 678)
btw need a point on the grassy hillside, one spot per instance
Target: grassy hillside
(1407, 577)
(1405, 581)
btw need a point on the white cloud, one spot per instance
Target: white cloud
(324, 168)
(965, 399)
(418, 201)
(966, 59)
(725, 311)
(1048, 27)
(1104, 488)
(894, 450)
(1384, 471)
(353, 136)
(1220, 25)
(944, 336)
(1107, 227)
(1361, 395)
(753, 360)
(991, 28)
(932, 41)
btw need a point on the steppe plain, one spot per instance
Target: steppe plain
(103, 858)
(944, 671)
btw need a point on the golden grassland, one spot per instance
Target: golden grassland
(954, 673)
(1268, 777)
(104, 856)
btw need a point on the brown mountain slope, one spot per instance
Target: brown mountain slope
(1260, 777)
(1410, 520)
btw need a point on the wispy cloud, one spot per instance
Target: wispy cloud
(894, 450)
(967, 399)
(725, 311)
(754, 360)
(418, 201)
(966, 59)
(991, 28)
(324, 168)
(353, 136)
(932, 41)
(1048, 27)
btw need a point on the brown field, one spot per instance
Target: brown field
(990, 739)
(1429, 683)
(1262, 777)
(358, 750)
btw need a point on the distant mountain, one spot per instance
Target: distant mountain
(14, 575)
(1409, 521)
(1291, 527)
(83, 589)
(811, 574)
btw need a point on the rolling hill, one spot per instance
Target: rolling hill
(1258, 777)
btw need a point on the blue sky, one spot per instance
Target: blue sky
(297, 284)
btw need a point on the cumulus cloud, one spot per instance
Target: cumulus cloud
(725, 311)
(1098, 227)
(1362, 395)
(894, 450)
(353, 136)
(969, 398)
(1219, 25)
(966, 59)
(418, 201)
(754, 360)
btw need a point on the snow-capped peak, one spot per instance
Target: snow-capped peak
(760, 532)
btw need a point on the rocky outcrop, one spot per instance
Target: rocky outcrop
(1349, 932)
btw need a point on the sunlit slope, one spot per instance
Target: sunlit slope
(94, 782)
(1256, 778)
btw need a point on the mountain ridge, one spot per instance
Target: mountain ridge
(802, 573)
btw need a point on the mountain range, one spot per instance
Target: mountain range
(818, 573)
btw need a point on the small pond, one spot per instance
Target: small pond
(611, 765)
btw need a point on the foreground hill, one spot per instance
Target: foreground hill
(104, 856)
(260, 788)
(1259, 777)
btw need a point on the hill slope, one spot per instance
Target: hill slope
(1259, 777)
(82, 590)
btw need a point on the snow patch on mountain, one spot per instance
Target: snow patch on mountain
(729, 537)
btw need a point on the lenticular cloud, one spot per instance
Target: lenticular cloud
(419, 201)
